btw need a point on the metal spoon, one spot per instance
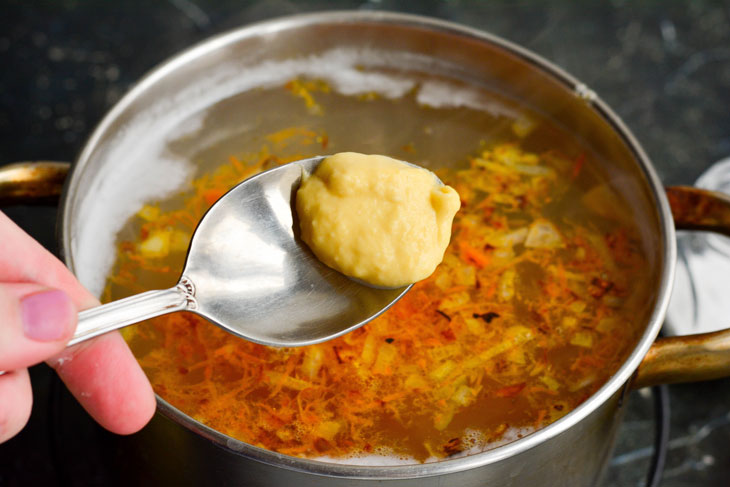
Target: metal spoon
(249, 273)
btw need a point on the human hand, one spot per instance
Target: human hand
(39, 303)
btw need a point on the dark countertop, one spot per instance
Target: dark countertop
(663, 66)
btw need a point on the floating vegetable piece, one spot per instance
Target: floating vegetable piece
(149, 213)
(328, 429)
(543, 235)
(508, 239)
(507, 285)
(156, 245)
(582, 339)
(523, 126)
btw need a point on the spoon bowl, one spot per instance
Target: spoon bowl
(248, 272)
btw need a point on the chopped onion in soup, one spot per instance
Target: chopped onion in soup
(534, 306)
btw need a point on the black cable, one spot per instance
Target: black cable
(661, 435)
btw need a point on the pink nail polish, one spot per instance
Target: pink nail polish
(45, 315)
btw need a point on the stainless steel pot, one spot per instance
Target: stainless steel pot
(124, 154)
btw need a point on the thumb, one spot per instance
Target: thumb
(35, 323)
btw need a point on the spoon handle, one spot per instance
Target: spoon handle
(140, 307)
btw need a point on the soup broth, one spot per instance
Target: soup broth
(542, 294)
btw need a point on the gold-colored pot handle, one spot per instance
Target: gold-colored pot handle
(695, 357)
(38, 182)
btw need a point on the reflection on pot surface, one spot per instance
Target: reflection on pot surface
(543, 293)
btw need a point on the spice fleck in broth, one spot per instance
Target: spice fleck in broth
(541, 295)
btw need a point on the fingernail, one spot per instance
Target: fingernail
(45, 315)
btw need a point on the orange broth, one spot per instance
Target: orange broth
(539, 299)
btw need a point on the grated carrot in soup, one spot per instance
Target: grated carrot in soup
(530, 312)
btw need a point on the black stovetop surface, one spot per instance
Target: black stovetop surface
(663, 66)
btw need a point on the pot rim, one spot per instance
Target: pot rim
(619, 380)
